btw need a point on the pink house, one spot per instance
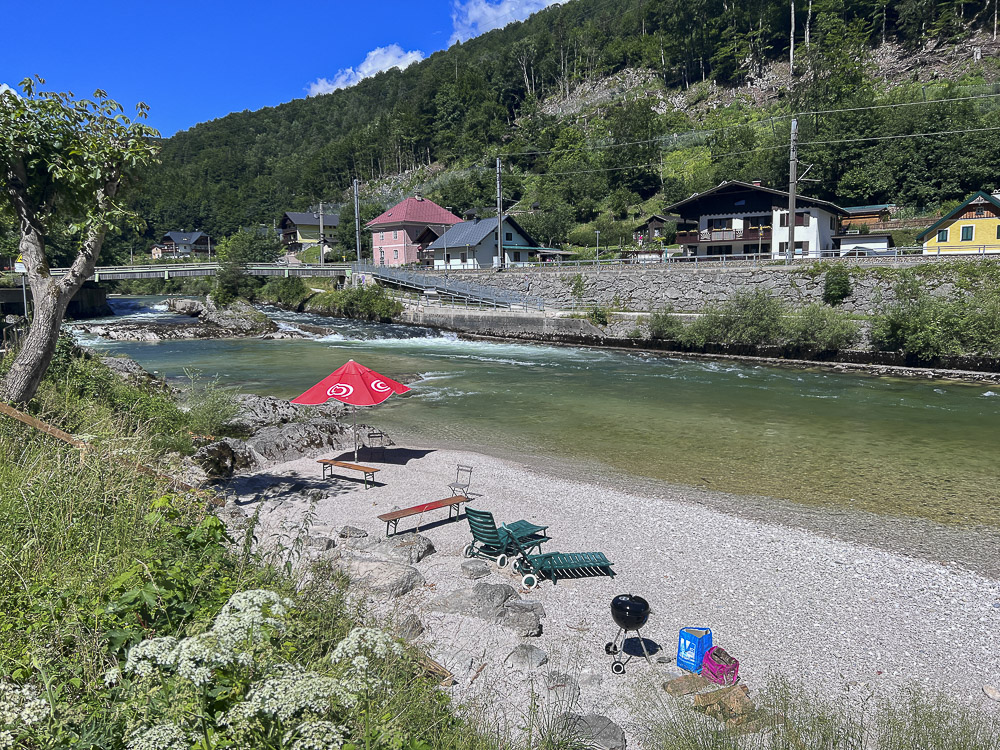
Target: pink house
(402, 232)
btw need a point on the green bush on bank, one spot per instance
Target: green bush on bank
(837, 284)
(367, 302)
(756, 319)
(926, 327)
(290, 292)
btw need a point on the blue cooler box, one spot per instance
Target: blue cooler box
(692, 645)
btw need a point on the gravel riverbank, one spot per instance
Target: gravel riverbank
(825, 611)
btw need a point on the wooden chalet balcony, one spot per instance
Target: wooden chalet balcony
(723, 235)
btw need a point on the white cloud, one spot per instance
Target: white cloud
(474, 17)
(379, 59)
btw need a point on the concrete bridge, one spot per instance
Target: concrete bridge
(181, 270)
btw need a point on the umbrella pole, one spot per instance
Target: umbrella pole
(355, 432)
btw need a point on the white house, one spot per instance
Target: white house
(473, 244)
(740, 218)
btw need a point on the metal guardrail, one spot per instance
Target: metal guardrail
(443, 286)
(181, 270)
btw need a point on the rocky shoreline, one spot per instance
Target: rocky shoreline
(238, 320)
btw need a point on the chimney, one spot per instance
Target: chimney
(756, 183)
(419, 197)
(470, 214)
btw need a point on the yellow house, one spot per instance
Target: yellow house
(972, 227)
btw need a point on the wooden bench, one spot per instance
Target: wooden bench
(453, 504)
(329, 464)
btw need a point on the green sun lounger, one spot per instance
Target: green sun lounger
(503, 543)
(556, 565)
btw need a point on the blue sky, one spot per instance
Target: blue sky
(196, 61)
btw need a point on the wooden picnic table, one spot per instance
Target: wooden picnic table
(329, 464)
(453, 504)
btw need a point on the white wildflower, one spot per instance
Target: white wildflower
(151, 654)
(6, 739)
(197, 656)
(289, 694)
(250, 616)
(20, 705)
(317, 735)
(355, 653)
(161, 737)
(371, 640)
(112, 677)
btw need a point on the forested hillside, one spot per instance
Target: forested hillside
(708, 95)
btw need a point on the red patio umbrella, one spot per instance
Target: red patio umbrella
(352, 384)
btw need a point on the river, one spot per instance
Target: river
(899, 447)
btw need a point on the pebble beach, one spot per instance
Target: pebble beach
(823, 611)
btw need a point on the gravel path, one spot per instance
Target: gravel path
(826, 611)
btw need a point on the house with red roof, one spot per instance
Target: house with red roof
(401, 233)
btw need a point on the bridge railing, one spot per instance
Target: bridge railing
(442, 285)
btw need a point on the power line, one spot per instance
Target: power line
(714, 131)
(776, 148)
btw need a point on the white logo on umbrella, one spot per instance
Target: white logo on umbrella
(340, 390)
(379, 386)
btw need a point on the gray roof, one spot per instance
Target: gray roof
(185, 238)
(310, 219)
(471, 233)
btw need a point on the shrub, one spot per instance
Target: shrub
(918, 324)
(817, 328)
(598, 316)
(369, 302)
(837, 285)
(748, 318)
(664, 325)
(290, 292)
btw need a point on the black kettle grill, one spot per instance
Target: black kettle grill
(630, 613)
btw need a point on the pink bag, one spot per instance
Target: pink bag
(719, 667)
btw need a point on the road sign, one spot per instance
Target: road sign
(19, 265)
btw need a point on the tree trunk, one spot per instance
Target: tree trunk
(39, 346)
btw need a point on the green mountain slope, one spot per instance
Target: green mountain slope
(676, 131)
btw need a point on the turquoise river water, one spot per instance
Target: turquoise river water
(898, 447)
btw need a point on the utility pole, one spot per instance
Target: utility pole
(357, 224)
(597, 252)
(791, 45)
(499, 218)
(209, 248)
(321, 243)
(793, 183)
(446, 228)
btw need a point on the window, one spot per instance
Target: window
(753, 222)
(998, 231)
(833, 224)
(801, 248)
(447, 258)
(395, 254)
(720, 223)
(719, 250)
(464, 257)
(801, 219)
(381, 236)
(517, 257)
(508, 237)
(942, 235)
(395, 234)
(980, 211)
(967, 233)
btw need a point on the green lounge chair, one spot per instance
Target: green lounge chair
(500, 544)
(555, 565)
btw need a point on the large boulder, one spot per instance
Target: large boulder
(526, 657)
(591, 731)
(226, 457)
(493, 602)
(185, 306)
(404, 548)
(239, 319)
(127, 369)
(256, 412)
(381, 576)
(285, 442)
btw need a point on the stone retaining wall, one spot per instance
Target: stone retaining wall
(685, 288)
